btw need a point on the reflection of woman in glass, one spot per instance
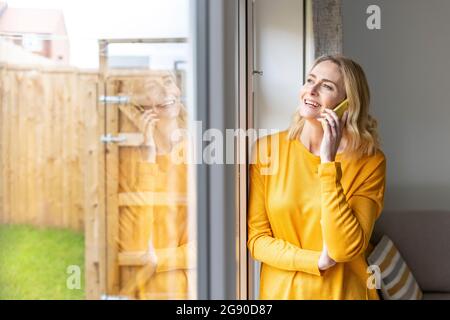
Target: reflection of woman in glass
(311, 220)
(162, 223)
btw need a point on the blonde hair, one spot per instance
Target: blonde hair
(361, 131)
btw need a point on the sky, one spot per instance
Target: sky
(89, 20)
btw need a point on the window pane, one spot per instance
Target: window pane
(97, 198)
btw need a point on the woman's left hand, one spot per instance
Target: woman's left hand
(325, 262)
(333, 129)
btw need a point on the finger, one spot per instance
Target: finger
(152, 117)
(145, 114)
(148, 117)
(326, 127)
(145, 120)
(333, 114)
(332, 125)
(344, 119)
(150, 113)
(143, 123)
(335, 118)
(145, 128)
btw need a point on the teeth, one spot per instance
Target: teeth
(315, 104)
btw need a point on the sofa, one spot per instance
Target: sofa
(423, 239)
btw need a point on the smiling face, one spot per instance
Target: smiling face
(324, 88)
(163, 97)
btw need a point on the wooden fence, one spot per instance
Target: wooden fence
(49, 143)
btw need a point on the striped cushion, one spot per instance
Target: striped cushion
(397, 281)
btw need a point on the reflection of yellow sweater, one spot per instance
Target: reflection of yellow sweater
(167, 227)
(303, 203)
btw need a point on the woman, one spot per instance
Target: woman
(160, 226)
(310, 220)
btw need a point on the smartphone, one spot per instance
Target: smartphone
(139, 108)
(340, 108)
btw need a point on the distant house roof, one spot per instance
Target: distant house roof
(43, 21)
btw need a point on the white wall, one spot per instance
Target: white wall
(408, 67)
(278, 28)
(278, 52)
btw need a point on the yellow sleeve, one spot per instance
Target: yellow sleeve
(347, 224)
(263, 245)
(182, 257)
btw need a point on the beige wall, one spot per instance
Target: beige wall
(408, 69)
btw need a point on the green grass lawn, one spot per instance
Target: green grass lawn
(34, 262)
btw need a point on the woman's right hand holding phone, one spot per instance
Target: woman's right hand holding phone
(147, 123)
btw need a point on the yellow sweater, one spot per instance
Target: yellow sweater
(296, 203)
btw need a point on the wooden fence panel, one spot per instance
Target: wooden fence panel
(43, 153)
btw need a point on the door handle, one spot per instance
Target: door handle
(109, 138)
(114, 99)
